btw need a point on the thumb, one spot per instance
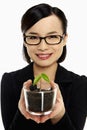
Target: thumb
(27, 84)
(53, 84)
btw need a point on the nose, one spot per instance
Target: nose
(43, 45)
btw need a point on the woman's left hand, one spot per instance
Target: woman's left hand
(58, 110)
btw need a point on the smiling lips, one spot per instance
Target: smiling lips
(44, 56)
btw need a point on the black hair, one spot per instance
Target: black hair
(36, 13)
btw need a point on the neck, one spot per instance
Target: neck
(48, 70)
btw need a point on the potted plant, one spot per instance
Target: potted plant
(38, 100)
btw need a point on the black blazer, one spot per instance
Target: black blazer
(74, 91)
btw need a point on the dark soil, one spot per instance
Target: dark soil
(36, 103)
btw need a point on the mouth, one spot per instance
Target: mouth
(44, 56)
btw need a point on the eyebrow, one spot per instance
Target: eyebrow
(52, 32)
(32, 33)
(38, 33)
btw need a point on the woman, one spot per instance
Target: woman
(44, 31)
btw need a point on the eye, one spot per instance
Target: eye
(52, 36)
(33, 37)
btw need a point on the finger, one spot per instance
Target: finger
(22, 94)
(59, 95)
(26, 114)
(35, 118)
(44, 118)
(27, 84)
(53, 85)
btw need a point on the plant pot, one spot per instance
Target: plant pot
(40, 102)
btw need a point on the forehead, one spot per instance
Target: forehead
(46, 25)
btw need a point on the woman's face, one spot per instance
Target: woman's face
(44, 54)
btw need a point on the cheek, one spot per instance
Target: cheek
(30, 51)
(58, 52)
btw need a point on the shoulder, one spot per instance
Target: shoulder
(77, 84)
(65, 75)
(18, 76)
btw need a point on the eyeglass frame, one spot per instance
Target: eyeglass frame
(61, 38)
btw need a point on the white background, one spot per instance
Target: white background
(11, 36)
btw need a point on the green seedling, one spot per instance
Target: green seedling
(37, 78)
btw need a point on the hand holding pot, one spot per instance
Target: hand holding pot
(57, 112)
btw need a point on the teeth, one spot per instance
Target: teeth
(43, 55)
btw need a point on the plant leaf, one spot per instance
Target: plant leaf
(36, 80)
(45, 77)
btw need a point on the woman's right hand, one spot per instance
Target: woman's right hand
(21, 104)
(55, 115)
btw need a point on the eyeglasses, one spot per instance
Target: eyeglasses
(36, 40)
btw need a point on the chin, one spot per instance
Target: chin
(43, 64)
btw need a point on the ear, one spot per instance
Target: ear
(65, 39)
